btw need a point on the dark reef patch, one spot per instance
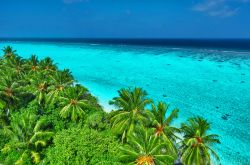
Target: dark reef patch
(219, 66)
(225, 116)
(220, 61)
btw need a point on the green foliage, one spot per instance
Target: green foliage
(2, 104)
(73, 103)
(131, 112)
(161, 124)
(60, 80)
(196, 145)
(84, 146)
(10, 92)
(8, 52)
(145, 148)
(27, 136)
(97, 120)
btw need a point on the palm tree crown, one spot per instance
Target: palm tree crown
(73, 103)
(131, 104)
(16, 64)
(33, 64)
(196, 145)
(39, 87)
(59, 81)
(8, 51)
(145, 148)
(47, 64)
(162, 124)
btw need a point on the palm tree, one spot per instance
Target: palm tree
(8, 52)
(73, 103)
(196, 145)
(33, 64)
(16, 64)
(27, 136)
(60, 80)
(131, 112)
(145, 148)
(47, 65)
(10, 92)
(39, 87)
(162, 124)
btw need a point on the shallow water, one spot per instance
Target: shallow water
(210, 83)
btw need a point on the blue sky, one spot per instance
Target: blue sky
(125, 18)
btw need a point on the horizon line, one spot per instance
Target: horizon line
(125, 38)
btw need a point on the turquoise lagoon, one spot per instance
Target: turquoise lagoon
(210, 83)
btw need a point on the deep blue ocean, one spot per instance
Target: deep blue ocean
(210, 78)
(230, 44)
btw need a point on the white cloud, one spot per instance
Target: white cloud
(224, 12)
(220, 8)
(74, 1)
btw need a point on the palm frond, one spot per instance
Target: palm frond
(35, 157)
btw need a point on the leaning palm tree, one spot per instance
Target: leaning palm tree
(131, 111)
(196, 145)
(162, 123)
(8, 52)
(27, 136)
(73, 103)
(145, 148)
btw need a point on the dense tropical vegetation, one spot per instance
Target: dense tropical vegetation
(47, 118)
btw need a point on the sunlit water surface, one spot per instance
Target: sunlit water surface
(213, 84)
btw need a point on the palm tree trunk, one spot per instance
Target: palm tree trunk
(7, 112)
(8, 108)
